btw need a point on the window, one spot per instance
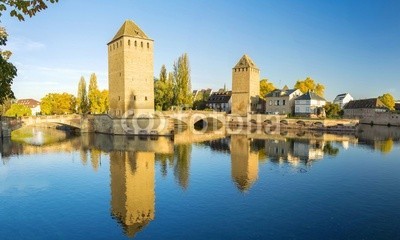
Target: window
(117, 44)
(277, 103)
(135, 43)
(134, 97)
(119, 98)
(270, 102)
(129, 43)
(148, 45)
(114, 46)
(145, 98)
(283, 102)
(141, 44)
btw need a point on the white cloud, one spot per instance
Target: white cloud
(22, 44)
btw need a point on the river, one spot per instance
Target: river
(291, 185)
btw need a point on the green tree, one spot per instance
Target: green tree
(104, 102)
(266, 87)
(18, 110)
(18, 9)
(6, 105)
(58, 103)
(21, 8)
(388, 100)
(94, 95)
(182, 88)
(332, 110)
(82, 98)
(7, 70)
(163, 90)
(308, 84)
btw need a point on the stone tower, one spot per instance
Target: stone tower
(130, 72)
(245, 86)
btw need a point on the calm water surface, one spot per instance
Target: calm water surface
(284, 186)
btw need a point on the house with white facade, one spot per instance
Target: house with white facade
(281, 101)
(220, 101)
(308, 104)
(342, 99)
(32, 104)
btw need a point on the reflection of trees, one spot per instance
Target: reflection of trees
(330, 150)
(384, 147)
(182, 164)
(95, 155)
(165, 160)
(84, 156)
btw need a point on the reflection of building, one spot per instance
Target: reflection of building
(132, 189)
(244, 162)
(294, 151)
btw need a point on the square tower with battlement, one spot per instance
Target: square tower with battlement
(245, 87)
(131, 72)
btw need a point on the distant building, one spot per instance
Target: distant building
(281, 101)
(397, 106)
(342, 99)
(245, 87)
(220, 101)
(32, 104)
(308, 104)
(364, 108)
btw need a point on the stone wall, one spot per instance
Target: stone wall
(386, 118)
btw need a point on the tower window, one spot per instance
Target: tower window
(135, 43)
(114, 46)
(141, 44)
(120, 42)
(145, 98)
(117, 44)
(129, 43)
(148, 45)
(134, 97)
(119, 98)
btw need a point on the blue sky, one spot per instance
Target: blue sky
(349, 46)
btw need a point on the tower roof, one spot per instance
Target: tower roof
(245, 62)
(130, 29)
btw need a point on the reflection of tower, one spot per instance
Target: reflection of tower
(132, 189)
(244, 162)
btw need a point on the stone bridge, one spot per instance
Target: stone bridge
(191, 118)
(9, 124)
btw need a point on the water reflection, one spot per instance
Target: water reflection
(133, 160)
(132, 189)
(244, 162)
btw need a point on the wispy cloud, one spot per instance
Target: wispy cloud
(22, 44)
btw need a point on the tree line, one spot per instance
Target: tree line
(174, 89)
